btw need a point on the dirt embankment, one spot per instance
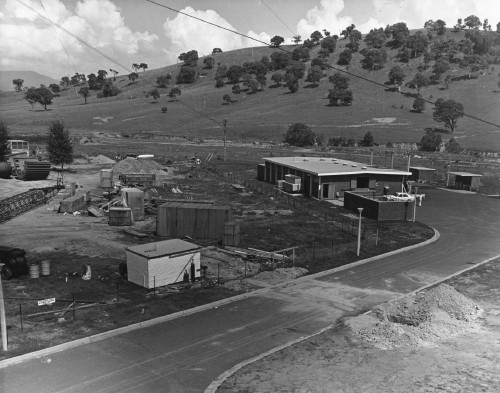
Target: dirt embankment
(417, 320)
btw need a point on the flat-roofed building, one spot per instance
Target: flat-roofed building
(463, 180)
(328, 178)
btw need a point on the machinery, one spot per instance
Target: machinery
(14, 262)
(23, 166)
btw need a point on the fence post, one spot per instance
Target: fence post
(21, 315)
(74, 311)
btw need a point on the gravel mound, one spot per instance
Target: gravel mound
(418, 320)
(280, 275)
(101, 160)
(133, 165)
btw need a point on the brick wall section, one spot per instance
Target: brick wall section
(377, 209)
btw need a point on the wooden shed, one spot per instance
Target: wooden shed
(464, 180)
(196, 220)
(167, 262)
(422, 174)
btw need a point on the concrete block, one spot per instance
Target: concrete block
(72, 204)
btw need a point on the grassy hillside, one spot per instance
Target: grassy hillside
(30, 78)
(266, 115)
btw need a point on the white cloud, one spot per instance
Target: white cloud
(326, 16)
(186, 33)
(29, 42)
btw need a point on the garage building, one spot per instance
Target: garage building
(162, 263)
(329, 178)
(463, 180)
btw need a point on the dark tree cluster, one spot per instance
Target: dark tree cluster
(340, 94)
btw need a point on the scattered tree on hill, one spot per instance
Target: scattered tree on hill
(276, 41)
(368, 140)
(403, 55)
(227, 98)
(85, 92)
(219, 82)
(498, 27)
(144, 66)
(4, 137)
(417, 43)
(374, 59)
(400, 34)
(353, 46)
(108, 90)
(444, 48)
(133, 76)
(308, 44)
(314, 75)
(216, 50)
(40, 95)
(438, 26)
(101, 76)
(279, 60)
(431, 141)
(189, 58)
(94, 84)
(472, 22)
(114, 73)
(440, 67)
(459, 26)
(59, 145)
(234, 73)
(375, 38)
(136, 67)
(155, 94)
(65, 81)
(396, 76)
(418, 104)
(174, 92)
(344, 57)
(164, 109)
(323, 53)
(277, 78)
(55, 88)
(320, 62)
(418, 81)
(209, 62)
(448, 112)
(300, 135)
(340, 94)
(481, 41)
(301, 54)
(186, 75)
(296, 68)
(347, 31)
(452, 146)
(296, 39)
(162, 81)
(261, 80)
(329, 43)
(18, 83)
(292, 83)
(236, 89)
(316, 37)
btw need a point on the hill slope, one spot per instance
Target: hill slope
(199, 111)
(31, 78)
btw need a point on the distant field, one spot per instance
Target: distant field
(266, 115)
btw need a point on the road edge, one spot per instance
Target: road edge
(125, 329)
(212, 388)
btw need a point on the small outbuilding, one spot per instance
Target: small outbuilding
(422, 174)
(463, 180)
(167, 262)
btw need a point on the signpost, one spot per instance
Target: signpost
(46, 302)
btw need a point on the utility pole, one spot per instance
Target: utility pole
(224, 123)
(3, 322)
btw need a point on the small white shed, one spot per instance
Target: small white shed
(162, 263)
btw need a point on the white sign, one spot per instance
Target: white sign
(46, 301)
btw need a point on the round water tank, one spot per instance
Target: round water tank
(5, 170)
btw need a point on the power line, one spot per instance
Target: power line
(75, 36)
(288, 51)
(59, 38)
(277, 16)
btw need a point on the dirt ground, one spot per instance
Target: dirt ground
(461, 355)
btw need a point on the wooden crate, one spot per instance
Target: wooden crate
(120, 216)
(106, 178)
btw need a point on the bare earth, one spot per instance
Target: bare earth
(462, 355)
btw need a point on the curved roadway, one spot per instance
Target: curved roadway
(186, 354)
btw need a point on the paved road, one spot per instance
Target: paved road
(186, 354)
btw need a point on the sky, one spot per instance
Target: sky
(138, 31)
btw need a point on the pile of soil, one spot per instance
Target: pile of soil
(280, 275)
(133, 165)
(417, 320)
(101, 160)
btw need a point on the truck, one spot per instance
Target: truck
(23, 166)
